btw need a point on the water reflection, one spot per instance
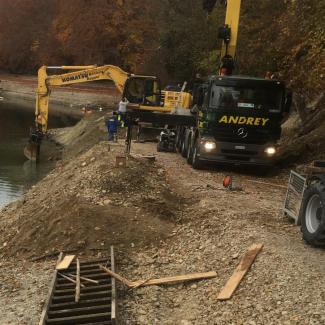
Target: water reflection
(16, 173)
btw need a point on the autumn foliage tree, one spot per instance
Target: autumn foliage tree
(74, 32)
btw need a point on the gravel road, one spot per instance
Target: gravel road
(285, 284)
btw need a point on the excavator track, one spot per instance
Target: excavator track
(97, 304)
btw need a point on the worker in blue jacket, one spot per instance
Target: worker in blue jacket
(112, 126)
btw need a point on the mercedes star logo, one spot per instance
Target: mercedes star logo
(242, 133)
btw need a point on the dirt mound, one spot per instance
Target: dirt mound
(81, 137)
(88, 205)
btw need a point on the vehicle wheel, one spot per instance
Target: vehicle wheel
(183, 149)
(189, 153)
(185, 143)
(312, 214)
(196, 162)
(178, 142)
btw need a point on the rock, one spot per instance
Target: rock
(84, 164)
(160, 172)
(234, 256)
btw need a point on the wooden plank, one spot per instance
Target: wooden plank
(167, 280)
(69, 279)
(117, 276)
(84, 278)
(176, 279)
(243, 267)
(77, 297)
(65, 263)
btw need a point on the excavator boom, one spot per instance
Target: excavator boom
(136, 86)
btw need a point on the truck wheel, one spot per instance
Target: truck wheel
(196, 162)
(178, 141)
(183, 149)
(312, 215)
(189, 153)
(185, 144)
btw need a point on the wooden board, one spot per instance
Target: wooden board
(65, 263)
(244, 265)
(176, 279)
(172, 279)
(77, 295)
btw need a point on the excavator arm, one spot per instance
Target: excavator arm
(83, 74)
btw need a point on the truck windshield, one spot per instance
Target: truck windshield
(242, 97)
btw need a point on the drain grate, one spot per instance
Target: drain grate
(97, 303)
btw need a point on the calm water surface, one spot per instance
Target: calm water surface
(16, 172)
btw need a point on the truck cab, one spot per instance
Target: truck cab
(238, 121)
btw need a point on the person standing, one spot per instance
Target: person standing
(112, 126)
(123, 105)
(121, 113)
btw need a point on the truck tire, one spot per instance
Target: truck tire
(312, 214)
(183, 149)
(196, 162)
(185, 144)
(189, 152)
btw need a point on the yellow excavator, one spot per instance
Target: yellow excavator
(146, 101)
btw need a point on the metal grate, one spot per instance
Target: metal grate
(295, 192)
(97, 303)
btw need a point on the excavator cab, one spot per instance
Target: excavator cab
(143, 90)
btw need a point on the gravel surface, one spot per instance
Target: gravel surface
(23, 290)
(183, 221)
(284, 286)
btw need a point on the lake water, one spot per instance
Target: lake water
(17, 173)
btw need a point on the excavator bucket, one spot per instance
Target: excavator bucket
(31, 151)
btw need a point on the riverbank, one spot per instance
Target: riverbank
(17, 111)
